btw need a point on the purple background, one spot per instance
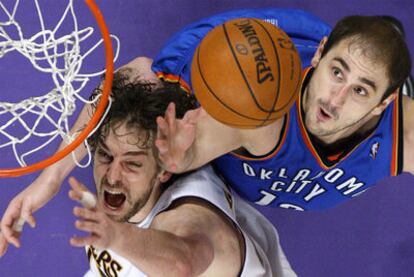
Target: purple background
(371, 235)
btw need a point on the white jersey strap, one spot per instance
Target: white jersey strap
(203, 184)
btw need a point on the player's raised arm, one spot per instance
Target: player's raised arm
(41, 191)
(188, 143)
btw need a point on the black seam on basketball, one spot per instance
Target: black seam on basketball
(215, 96)
(293, 96)
(298, 84)
(272, 110)
(297, 88)
(241, 70)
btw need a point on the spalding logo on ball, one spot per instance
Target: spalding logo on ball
(246, 73)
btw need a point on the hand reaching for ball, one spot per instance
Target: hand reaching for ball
(176, 137)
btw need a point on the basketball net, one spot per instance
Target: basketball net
(61, 57)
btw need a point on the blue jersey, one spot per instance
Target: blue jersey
(294, 175)
(297, 175)
(173, 62)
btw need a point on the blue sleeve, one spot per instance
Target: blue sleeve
(173, 62)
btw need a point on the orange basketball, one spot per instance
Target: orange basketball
(246, 73)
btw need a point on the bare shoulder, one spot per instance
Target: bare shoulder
(200, 221)
(408, 115)
(190, 215)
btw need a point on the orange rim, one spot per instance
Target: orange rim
(13, 172)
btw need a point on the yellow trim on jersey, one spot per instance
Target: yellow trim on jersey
(174, 79)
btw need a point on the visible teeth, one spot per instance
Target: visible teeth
(112, 208)
(113, 192)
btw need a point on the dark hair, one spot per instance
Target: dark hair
(395, 23)
(378, 37)
(138, 104)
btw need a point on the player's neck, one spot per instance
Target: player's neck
(149, 205)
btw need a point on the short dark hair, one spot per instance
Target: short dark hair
(137, 105)
(395, 23)
(383, 42)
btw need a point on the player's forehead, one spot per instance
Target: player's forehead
(127, 141)
(354, 57)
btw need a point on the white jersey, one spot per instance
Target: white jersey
(263, 254)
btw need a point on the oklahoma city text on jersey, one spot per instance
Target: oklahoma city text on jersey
(308, 184)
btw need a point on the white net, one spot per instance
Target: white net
(56, 53)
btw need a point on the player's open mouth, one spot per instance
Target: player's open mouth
(323, 115)
(113, 199)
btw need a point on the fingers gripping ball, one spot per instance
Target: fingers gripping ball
(246, 73)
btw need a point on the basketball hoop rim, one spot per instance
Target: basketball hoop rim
(109, 64)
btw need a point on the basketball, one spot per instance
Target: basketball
(246, 73)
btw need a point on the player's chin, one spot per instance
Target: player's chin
(118, 216)
(317, 129)
(313, 127)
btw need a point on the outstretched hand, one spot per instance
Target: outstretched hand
(175, 138)
(102, 230)
(19, 211)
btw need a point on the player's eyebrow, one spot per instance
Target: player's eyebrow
(364, 80)
(343, 63)
(136, 153)
(369, 83)
(129, 153)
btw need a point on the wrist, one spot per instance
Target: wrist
(125, 233)
(50, 179)
(188, 161)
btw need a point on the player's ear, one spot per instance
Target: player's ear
(384, 104)
(317, 57)
(164, 176)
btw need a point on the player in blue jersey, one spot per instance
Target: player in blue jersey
(344, 133)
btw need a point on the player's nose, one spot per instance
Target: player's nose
(338, 95)
(114, 173)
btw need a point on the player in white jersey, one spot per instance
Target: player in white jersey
(259, 259)
(144, 224)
